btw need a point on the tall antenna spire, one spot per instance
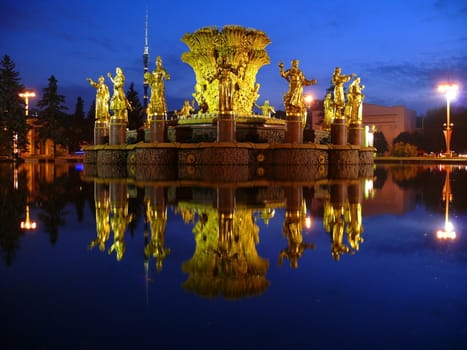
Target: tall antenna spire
(146, 60)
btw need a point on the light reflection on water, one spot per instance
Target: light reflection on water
(114, 264)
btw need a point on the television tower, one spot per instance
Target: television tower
(145, 62)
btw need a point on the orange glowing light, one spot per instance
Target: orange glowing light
(28, 224)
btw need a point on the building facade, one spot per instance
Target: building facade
(391, 121)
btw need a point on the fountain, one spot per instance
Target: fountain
(224, 140)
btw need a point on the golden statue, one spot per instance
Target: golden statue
(338, 80)
(242, 50)
(266, 108)
(355, 101)
(225, 75)
(187, 109)
(119, 103)
(329, 111)
(293, 99)
(102, 98)
(155, 79)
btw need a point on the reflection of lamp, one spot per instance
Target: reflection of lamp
(450, 90)
(448, 231)
(28, 224)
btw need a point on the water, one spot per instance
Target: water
(256, 286)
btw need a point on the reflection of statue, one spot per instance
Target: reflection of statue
(225, 261)
(266, 109)
(102, 205)
(338, 80)
(333, 222)
(296, 247)
(157, 104)
(119, 221)
(355, 101)
(225, 75)
(293, 99)
(187, 109)
(353, 218)
(158, 221)
(102, 98)
(328, 112)
(119, 103)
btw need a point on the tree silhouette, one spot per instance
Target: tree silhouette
(136, 115)
(380, 143)
(52, 115)
(12, 117)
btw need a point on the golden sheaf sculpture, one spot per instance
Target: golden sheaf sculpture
(242, 49)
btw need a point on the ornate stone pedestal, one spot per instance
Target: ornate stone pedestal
(356, 134)
(339, 132)
(157, 128)
(293, 129)
(117, 131)
(101, 132)
(226, 127)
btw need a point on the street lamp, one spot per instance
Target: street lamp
(450, 90)
(26, 95)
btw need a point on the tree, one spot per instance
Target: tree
(380, 143)
(136, 115)
(12, 118)
(401, 149)
(52, 116)
(412, 138)
(77, 128)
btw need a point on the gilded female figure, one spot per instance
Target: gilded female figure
(155, 79)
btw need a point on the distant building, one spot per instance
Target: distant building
(391, 121)
(38, 148)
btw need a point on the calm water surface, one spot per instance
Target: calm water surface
(326, 265)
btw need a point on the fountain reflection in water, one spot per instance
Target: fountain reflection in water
(224, 217)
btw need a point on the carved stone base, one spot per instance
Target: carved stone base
(226, 127)
(356, 134)
(117, 131)
(157, 126)
(293, 129)
(339, 132)
(101, 132)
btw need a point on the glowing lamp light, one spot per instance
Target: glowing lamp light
(28, 224)
(450, 90)
(308, 222)
(368, 189)
(447, 233)
(27, 95)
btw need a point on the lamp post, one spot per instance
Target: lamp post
(26, 95)
(450, 90)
